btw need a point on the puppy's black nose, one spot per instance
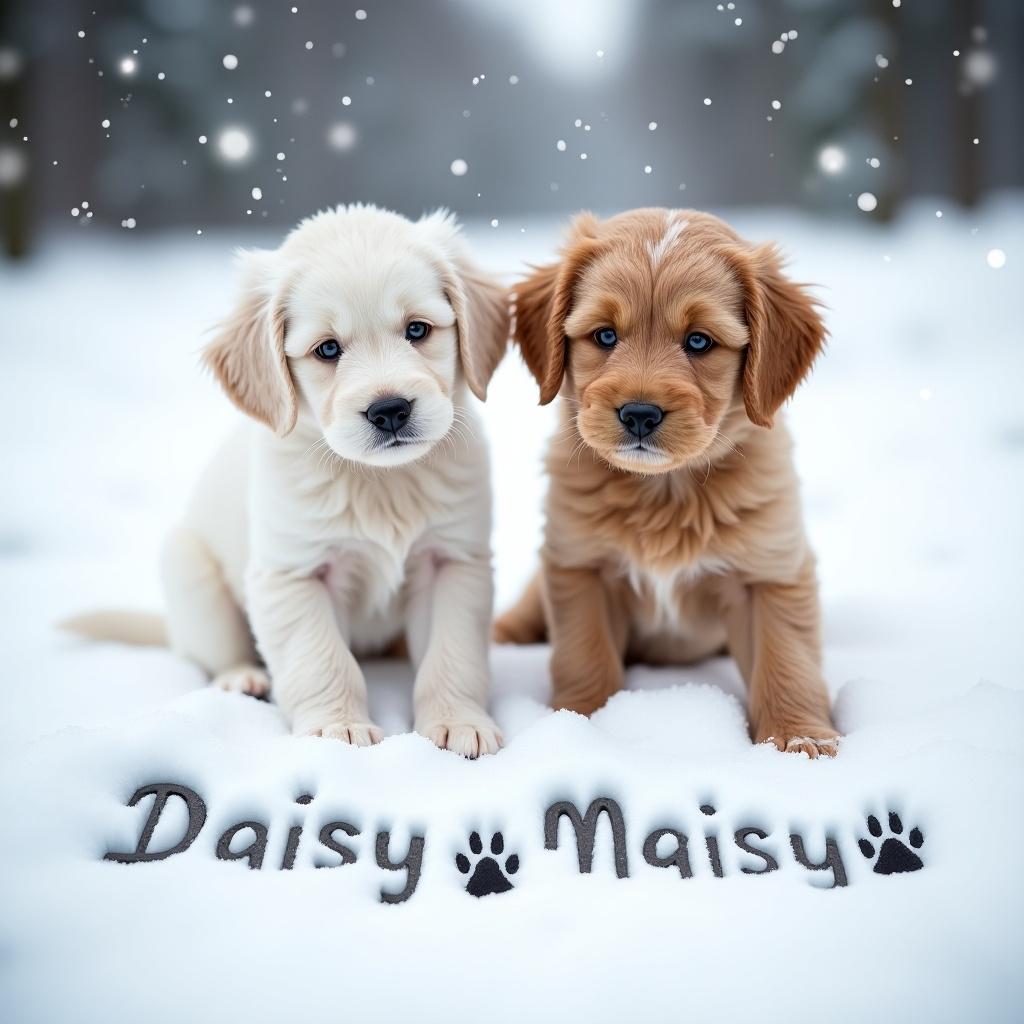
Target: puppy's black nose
(640, 419)
(389, 414)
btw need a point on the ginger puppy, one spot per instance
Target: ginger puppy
(674, 527)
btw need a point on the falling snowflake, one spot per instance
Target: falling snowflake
(13, 166)
(341, 136)
(832, 159)
(980, 67)
(234, 144)
(459, 167)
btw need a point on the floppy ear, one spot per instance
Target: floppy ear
(543, 303)
(482, 322)
(533, 298)
(478, 300)
(786, 333)
(247, 354)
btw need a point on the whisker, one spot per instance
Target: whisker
(732, 446)
(577, 453)
(317, 444)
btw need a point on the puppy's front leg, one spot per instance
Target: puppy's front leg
(314, 677)
(449, 640)
(588, 638)
(774, 632)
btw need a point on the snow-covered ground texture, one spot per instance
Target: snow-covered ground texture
(910, 440)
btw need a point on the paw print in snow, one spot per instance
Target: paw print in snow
(894, 856)
(487, 876)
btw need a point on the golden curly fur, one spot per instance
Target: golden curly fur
(678, 546)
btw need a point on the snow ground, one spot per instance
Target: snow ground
(910, 442)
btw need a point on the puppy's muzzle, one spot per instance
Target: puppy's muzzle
(641, 419)
(389, 415)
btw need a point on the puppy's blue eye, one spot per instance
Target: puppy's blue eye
(606, 337)
(417, 330)
(328, 350)
(697, 343)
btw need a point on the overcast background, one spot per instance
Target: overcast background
(812, 103)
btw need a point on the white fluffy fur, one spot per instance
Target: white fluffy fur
(312, 539)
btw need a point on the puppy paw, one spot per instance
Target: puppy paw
(512, 628)
(358, 734)
(814, 742)
(468, 738)
(584, 688)
(582, 705)
(244, 679)
(503, 631)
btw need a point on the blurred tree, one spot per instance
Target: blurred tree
(966, 103)
(14, 160)
(182, 112)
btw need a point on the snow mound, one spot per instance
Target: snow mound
(912, 459)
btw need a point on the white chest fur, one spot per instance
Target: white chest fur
(661, 591)
(365, 532)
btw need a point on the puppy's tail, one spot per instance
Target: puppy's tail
(140, 629)
(524, 622)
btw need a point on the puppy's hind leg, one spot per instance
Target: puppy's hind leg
(524, 622)
(204, 621)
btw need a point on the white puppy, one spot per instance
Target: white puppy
(357, 511)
